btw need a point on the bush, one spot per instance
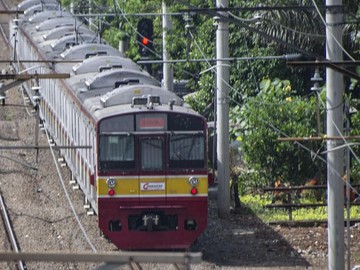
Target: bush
(275, 113)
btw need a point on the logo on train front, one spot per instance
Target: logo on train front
(151, 186)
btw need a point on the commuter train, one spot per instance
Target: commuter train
(145, 174)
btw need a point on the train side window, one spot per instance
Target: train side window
(152, 154)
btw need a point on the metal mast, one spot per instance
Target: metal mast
(222, 89)
(168, 74)
(334, 106)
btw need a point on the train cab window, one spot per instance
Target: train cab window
(186, 151)
(152, 154)
(116, 152)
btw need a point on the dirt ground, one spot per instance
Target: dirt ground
(44, 222)
(244, 242)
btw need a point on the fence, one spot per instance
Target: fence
(290, 191)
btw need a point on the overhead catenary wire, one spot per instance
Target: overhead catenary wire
(332, 35)
(346, 144)
(208, 62)
(272, 126)
(68, 196)
(124, 15)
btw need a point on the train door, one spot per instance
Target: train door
(151, 153)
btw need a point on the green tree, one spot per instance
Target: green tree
(275, 112)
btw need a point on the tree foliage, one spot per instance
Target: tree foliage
(275, 112)
(261, 109)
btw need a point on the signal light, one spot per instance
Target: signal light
(145, 41)
(111, 192)
(145, 33)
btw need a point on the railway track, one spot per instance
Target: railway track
(6, 222)
(58, 232)
(9, 230)
(175, 266)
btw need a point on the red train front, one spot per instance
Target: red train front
(152, 177)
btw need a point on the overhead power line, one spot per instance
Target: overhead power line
(214, 13)
(266, 8)
(284, 57)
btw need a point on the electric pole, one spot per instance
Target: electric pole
(168, 74)
(222, 117)
(334, 106)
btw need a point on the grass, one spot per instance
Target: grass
(257, 205)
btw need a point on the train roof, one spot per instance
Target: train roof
(40, 7)
(120, 100)
(124, 95)
(104, 82)
(71, 40)
(95, 64)
(29, 3)
(49, 15)
(60, 32)
(119, 76)
(84, 51)
(50, 24)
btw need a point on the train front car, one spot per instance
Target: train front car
(145, 175)
(152, 175)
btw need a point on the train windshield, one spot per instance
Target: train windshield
(151, 154)
(152, 142)
(117, 151)
(186, 151)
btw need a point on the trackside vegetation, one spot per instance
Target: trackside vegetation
(268, 99)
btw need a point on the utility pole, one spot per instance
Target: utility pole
(90, 17)
(334, 106)
(222, 117)
(168, 74)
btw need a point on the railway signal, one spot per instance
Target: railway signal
(145, 33)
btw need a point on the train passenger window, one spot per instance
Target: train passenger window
(186, 151)
(116, 152)
(152, 154)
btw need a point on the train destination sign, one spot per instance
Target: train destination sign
(152, 122)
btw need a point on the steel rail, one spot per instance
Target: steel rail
(9, 231)
(177, 266)
(46, 147)
(107, 257)
(135, 266)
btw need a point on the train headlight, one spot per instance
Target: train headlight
(111, 182)
(193, 181)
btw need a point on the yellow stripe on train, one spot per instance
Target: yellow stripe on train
(151, 186)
